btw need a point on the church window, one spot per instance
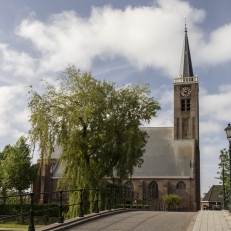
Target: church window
(188, 105)
(129, 189)
(153, 190)
(185, 105)
(182, 105)
(181, 185)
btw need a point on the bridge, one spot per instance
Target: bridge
(138, 220)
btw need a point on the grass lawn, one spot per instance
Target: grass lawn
(15, 227)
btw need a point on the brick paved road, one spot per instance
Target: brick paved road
(140, 221)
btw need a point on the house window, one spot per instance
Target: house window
(185, 105)
(153, 190)
(129, 188)
(181, 185)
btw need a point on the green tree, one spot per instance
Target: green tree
(172, 199)
(226, 175)
(3, 187)
(18, 172)
(97, 125)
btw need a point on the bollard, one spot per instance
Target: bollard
(109, 199)
(97, 201)
(60, 219)
(31, 226)
(81, 204)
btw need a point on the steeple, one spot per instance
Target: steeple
(186, 69)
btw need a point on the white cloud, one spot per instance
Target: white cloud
(217, 49)
(163, 119)
(141, 35)
(208, 127)
(18, 63)
(216, 107)
(13, 114)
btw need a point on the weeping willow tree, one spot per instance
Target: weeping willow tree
(95, 123)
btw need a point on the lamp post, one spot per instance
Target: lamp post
(228, 134)
(223, 158)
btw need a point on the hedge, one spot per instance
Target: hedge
(51, 210)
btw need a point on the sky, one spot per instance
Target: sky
(123, 42)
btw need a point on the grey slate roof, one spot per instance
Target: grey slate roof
(165, 157)
(57, 152)
(212, 194)
(186, 69)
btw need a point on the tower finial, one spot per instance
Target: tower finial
(185, 30)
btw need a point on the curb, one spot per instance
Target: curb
(70, 223)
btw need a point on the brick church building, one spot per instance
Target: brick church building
(172, 156)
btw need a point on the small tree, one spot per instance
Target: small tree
(171, 199)
(226, 175)
(18, 172)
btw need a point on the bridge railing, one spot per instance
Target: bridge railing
(113, 198)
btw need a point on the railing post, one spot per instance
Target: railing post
(109, 199)
(131, 199)
(145, 201)
(124, 198)
(137, 197)
(81, 204)
(60, 219)
(114, 198)
(96, 201)
(31, 226)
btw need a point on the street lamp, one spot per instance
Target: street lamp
(223, 158)
(228, 134)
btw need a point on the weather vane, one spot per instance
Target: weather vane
(185, 24)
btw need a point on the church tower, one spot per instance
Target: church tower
(186, 111)
(186, 99)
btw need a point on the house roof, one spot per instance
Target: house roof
(212, 194)
(165, 157)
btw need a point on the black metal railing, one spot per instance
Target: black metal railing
(103, 199)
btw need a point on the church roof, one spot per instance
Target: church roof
(212, 194)
(186, 69)
(165, 157)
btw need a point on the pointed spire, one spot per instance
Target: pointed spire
(186, 69)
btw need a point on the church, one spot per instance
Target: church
(172, 156)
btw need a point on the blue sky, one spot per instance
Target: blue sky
(121, 42)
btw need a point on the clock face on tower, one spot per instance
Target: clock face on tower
(185, 91)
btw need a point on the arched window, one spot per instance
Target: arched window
(153, 190)
(181, 185)
(128, 189)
